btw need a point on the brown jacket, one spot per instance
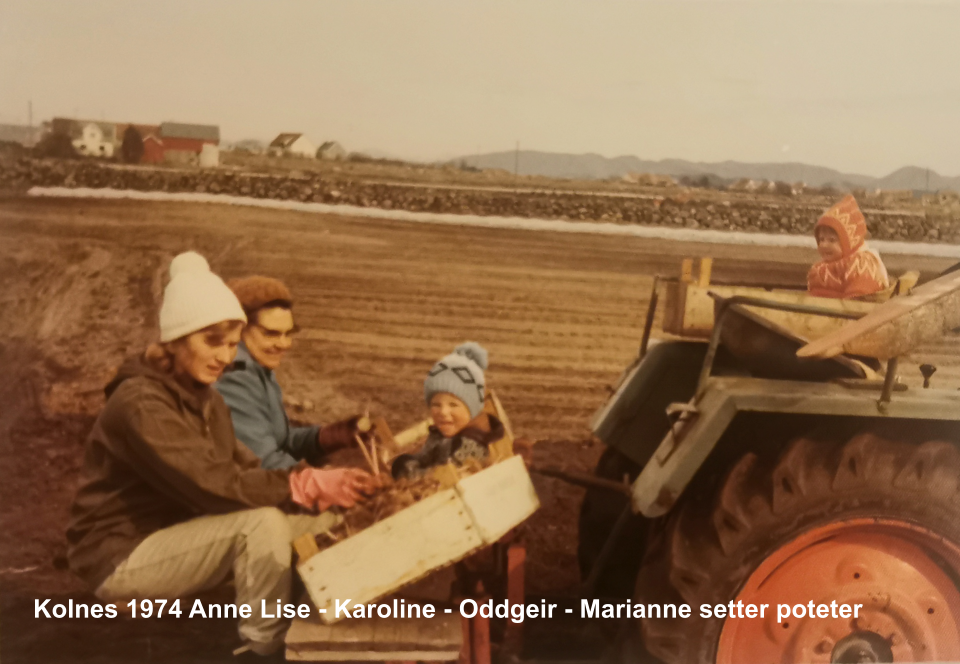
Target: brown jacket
(158, 455)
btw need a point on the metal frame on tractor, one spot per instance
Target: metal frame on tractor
(700, 423)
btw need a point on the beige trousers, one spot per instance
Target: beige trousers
(190, 557)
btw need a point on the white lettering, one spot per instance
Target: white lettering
(41, 608)
(197, 608)
(589, 610)
(263, 610)
(472, 604)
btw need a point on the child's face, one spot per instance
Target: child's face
(828, 244)
(450, 415)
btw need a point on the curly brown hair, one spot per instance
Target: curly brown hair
(257, 292)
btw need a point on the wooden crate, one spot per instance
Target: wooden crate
(435, 532)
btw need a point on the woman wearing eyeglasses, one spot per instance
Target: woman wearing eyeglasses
(169, 503)
(250, 388)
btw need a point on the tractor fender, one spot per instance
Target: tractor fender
(701, 423)
(681, 453)
(633, 420)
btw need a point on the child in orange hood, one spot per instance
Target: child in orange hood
(848, 268)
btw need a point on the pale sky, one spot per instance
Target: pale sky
(861, 86)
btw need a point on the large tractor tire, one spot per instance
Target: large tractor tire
(599, 513)
(869, 521)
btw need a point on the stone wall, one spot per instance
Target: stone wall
(689, 209)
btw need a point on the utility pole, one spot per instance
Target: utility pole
(928, 180)
(516, 161)
(32, 138)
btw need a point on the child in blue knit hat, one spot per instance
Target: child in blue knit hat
(454, 390)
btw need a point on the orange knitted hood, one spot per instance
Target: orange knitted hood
(859, 271)
(847, 220)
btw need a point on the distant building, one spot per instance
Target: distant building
(23, 134)
(92, 141)
(292, 145)
(191, 137)
(93, 138)
(331, 150)
(152, 150)
(209, 156)
(183, 143)
(149, 134)
(143, 129)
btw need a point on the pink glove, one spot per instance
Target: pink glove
(320, 488)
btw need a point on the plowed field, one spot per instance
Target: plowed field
(378, 301)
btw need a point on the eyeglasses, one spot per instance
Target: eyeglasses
(278, 334)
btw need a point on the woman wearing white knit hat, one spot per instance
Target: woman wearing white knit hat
(170, 503)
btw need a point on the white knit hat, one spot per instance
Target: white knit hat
(195, 298)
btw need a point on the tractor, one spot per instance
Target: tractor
(769, 453)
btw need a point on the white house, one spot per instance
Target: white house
(293, 145)
(331, 150)
(92, 142)
(209, 156)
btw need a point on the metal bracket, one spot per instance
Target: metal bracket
(889, 381)
(744, 300)
(651, 314)
(679, 413)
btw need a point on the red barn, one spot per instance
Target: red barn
(152, 150)
(185, 141)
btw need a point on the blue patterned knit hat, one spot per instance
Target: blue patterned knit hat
(460, 374)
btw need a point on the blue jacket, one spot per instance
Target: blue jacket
(259, 419)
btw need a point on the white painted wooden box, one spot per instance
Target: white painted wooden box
(435, 532)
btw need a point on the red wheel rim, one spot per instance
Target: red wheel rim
(902, 574)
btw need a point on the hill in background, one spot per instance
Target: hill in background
(598, 167)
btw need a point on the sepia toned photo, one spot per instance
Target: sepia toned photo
(489, 333)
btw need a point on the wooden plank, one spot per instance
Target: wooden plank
(443, 632)
(499, 498)
(306, 547)
(308, 630)
(501, 414)
(898, 325)
(392, 553)
(674, 302)
(412, 655)
(353, 635)
(388, 635)
(502, 449)
(706, 267)
(388, 638)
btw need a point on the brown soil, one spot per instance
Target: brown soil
(379, 302)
